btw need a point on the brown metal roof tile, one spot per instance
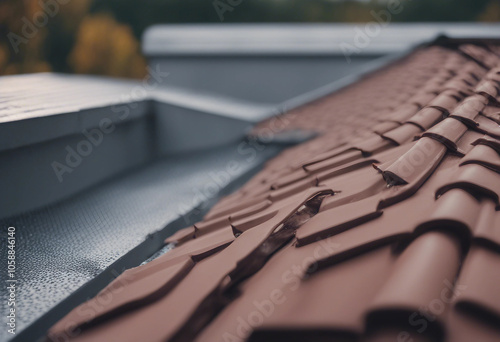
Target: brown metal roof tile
(289, 178)
(293, 189)
(380, 231)
(337, 220)
(426, 118)
(209, 226)
(486, 232)
(480, 280)
(489, 89)
(246, 223)
(328, 164)
(470, 107)
(345, 168)
(327, 302)
(354, 190)
(373, 144)
(487, 126)
(200, 247)
(181, 236)
(447, 132)
(251, 210)
(480, 55)
(488, 141)
(424, 270)
(492, 113)
(476, 179)
(494, 74)
(464, 145)
(483, 155)
(402, 134)
(422, 98)
(234, 207)
(414, 166)
(456, 211)
(446, 101)
(385, 126)
(336, 151)
(403, 113)
(461, 84)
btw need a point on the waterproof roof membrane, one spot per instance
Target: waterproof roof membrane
(386, 227)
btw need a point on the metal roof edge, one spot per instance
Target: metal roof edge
(299, 39)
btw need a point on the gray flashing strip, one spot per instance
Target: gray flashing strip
(42, 107)
(204, 40)
(211, 103)
(46, 94)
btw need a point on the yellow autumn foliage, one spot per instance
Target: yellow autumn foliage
(105, 47)
(30, 56)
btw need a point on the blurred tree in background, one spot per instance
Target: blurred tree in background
(114, 53)
(66, 36)
(102, 36)
(28, 57)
